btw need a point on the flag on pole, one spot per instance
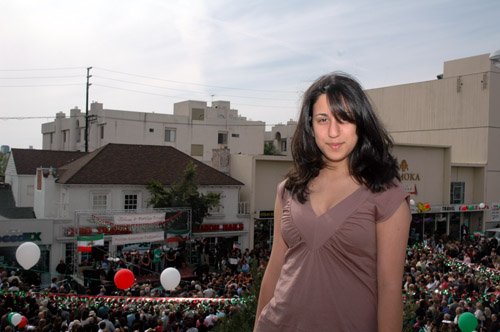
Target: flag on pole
(176, 237)
(85, 243)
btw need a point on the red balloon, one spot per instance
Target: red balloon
(124, 279)
(23, 322)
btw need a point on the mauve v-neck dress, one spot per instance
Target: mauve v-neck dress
(328, 281)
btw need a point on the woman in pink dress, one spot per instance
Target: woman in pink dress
(341, 221)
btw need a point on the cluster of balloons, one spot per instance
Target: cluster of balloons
(467, 322)
(169, 278)
(27, 255)
(16, 319)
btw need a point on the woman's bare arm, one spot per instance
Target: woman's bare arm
(392, 239)
(273, 269)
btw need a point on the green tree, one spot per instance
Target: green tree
(3, 163)
(244, 319)
(183, 194)
(270, 149)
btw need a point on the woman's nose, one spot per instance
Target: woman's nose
(334, 128)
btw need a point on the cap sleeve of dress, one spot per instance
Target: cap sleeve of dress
(388, 201)
(282, 193)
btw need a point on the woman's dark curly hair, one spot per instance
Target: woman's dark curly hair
(370, 163)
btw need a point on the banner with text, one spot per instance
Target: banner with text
(128, 219)
(117, 240)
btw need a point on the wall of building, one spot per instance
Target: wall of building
(434, 113)
(46, 202)
(424, 172)
(279, 133)
(261, 175)
(126, 127)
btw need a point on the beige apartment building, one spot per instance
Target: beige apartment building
(280, 137)
(194, 128)
(446, 134)
(460, 109)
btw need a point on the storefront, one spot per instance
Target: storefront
(264, 229)
(454, 220)
(230, 235)
(16, 232)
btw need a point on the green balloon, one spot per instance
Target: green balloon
(467, 322)
(9, 317)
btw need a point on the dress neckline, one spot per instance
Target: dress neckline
(347, 198)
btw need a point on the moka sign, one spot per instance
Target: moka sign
(405, 173)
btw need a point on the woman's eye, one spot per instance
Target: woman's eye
(322, 120)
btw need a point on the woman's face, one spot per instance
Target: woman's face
(336, 139)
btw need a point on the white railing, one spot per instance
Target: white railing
(243, 208)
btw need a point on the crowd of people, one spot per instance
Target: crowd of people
(445, 278)
(62, 308)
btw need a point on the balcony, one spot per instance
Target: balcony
(243, 209)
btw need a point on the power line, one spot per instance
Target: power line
(38, 85)
(179, 98)
(189, 91)
(189, 83)
(151, 121)
(38, 77)
(43, 69)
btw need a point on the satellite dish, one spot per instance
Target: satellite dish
(495, 56)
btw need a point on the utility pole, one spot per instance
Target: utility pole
(87, 111)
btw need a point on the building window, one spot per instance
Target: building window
(219, 209)
(101, 132)
(51, 138)
(283, 145)
(198, 114)
(197, 150)
(169, 135)
(78, 132)
(64, 136)
(151, 130)
(222, 138)
(130, 202)
(457, 193)
(99, 202)
(68, 256)
(235, 135)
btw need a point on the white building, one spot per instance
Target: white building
(280, 137)
(194, 128)
(114, 178)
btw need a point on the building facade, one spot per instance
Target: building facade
(460, 109)
(446, 133)
(112, 181)
(194, 128)
(280, 137)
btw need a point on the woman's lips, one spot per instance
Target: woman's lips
(335, 146)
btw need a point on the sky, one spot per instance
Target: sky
(260, 55)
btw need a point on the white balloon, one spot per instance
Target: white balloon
(16, 319)
(170, 278)
(412, 202)
(481, 205)
(27, 255)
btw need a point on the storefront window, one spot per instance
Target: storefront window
(263, 233)
(455, 226)
(457, 192)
